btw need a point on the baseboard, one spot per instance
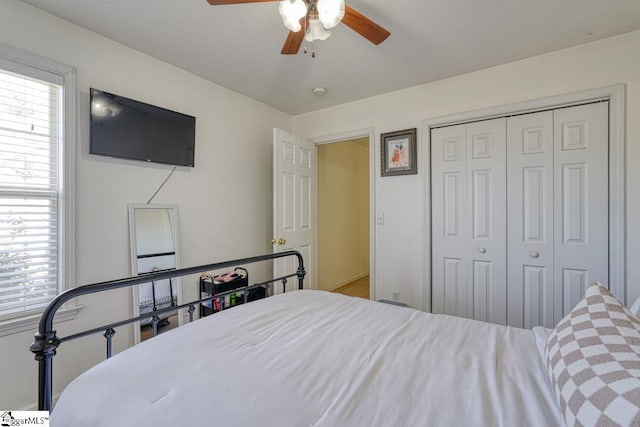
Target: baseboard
(346, 282)
(33, 406)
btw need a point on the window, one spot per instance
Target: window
(34, 243)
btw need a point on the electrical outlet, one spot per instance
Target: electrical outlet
(396, 296)
(379, 218)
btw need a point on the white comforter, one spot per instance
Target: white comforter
(315, 358)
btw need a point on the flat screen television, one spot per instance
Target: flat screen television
(124, 128)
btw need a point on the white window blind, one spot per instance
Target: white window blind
(30, 147)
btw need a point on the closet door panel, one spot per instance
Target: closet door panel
(449, 233)
(453, 287)
(530, 220)
(486, 220)
(537, 308)
(581, 199)
(483, 291)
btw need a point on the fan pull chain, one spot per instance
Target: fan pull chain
(305, 31)
(313, 42)
(313, 49)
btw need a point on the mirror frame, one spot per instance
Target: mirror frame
(134, 259)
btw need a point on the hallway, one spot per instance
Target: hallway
(357, 288)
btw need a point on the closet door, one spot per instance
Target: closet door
(486, 220)
(557, 168)
(581, 202)
(530, 230)
(469, 220)
(523, 198)
(449, 236)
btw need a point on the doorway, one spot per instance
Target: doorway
(343, 215)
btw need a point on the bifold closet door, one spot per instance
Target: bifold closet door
(449, 210)
(581, 199)
(557, 207)
(469, 220)
(530, 228)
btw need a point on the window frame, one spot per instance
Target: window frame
(35, 66)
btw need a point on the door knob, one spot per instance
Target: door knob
(534, 254)
(482, 250)
(280, 241)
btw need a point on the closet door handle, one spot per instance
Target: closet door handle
(534, 254)
(482, 250)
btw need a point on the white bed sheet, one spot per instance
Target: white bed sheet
(316, 358)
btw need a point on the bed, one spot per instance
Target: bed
(313, 358)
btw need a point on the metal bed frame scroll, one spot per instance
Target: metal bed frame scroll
(46, 340)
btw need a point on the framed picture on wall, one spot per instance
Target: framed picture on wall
(398, 153)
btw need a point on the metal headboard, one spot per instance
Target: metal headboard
(46, 340)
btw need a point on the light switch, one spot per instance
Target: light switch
(379, 218)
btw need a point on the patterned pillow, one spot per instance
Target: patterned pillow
(593, 362)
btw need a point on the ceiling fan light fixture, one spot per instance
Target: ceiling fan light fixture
(292, 11)
(330, 12)
(316, 31)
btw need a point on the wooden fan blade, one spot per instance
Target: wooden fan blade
(292, 43)
(219, 2)
(364, 26)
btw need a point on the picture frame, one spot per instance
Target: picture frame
(398, 153)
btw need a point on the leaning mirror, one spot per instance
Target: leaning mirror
(153, 230)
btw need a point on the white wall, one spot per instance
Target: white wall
(400, 242)
(224, 203)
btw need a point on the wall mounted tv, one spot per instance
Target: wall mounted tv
(128, 129)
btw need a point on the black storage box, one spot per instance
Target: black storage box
(218, 288)
(256, 294)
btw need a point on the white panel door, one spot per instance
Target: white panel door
(448, 192)
(468, 228)
(293, 205)
(486, 221)
(581, 202)
(530, 227)
(520, 200)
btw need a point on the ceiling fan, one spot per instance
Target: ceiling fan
(312, 20)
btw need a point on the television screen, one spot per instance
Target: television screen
(128, 129)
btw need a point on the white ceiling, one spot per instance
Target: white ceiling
(238, 46)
